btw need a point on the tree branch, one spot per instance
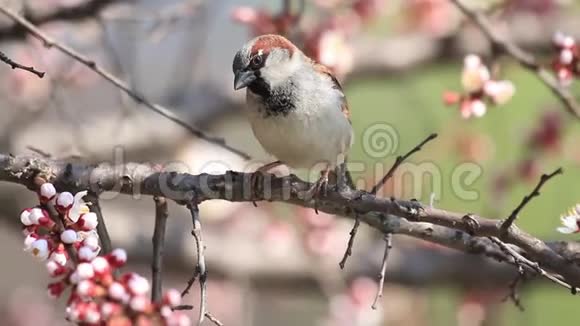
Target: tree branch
(200, 266)
(16, 65)
(95, 207)
(158, 240)
(388, 246)
(399, 161)
(410, 218)
(536, 192)
(91, 64)
(524, 58)
(84, 10)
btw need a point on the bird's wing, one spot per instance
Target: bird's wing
(325, 70)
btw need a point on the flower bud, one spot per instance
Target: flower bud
(117, 257)
(25, 217)
(55, 269)
(68, 236)
(85, 271)
(64, 201)
(86, 254)
(39, 249)
(117, 292)
(29, 240)
(47, 192)
(138, 285)
(88, 221)
(56, 289)
(139, 303)
(172, 298)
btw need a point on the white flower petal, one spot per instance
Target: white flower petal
(478, 108)
(65, 199)
(47, 190)
(25, 218)
(565, 230)
(472, 61)
(570, 222)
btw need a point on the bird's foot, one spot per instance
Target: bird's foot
(319, 189)
(255, 184)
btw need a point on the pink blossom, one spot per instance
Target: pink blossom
(139, 303)
(109, 309)
(138, 285)
(86, 288)
(29, 240)
(500, 91)
(117, 257)
(178, 319)
(56, 289)
(92, 242)
(172, 298)
(101, 265)
(475, 74)
(59, 257)
(85, 271)
(55, 269)
(118, 292)
(88, 221)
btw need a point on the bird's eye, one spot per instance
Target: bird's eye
(256, 61)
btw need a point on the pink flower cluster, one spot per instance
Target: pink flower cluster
(566, 65)
(479, 89)
(97, 296)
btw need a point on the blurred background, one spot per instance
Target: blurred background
(401, 64)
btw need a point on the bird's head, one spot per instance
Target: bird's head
(266, 58)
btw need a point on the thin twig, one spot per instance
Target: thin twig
(190, 282)
(514, 294)
(166, 113)
(158, 240)
(183, 307)
(388, 246)
(95, 207)
(536, 192)
(16, 65)
(348, 251)
(386, 177)
(213, 319)
(399, 161)
(521, 260)
(524, 58)
(196, 232)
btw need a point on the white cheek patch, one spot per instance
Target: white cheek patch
(277, 70)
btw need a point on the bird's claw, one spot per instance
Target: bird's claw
(255, 184)
(318, 190)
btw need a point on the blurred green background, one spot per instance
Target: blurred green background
(412, 103)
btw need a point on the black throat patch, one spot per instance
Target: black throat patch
(276, 101)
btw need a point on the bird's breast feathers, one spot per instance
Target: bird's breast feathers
(311, 129)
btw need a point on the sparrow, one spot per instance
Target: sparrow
(296, 107)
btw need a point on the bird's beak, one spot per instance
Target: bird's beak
(243, 79)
